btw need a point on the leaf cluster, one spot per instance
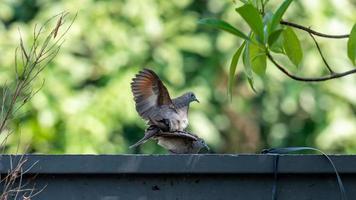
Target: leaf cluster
(270, 34)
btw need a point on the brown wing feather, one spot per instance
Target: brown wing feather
(149, 92)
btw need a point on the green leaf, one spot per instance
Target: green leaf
(247, 65)
(244, 1)
(233, 65)
(267, 18)
(246, 60)
(222, 25)
(253, 18)
(277, 46)
(351, 45)
(278, 15)
(254, 59)
(266, 21)
(251, 83)
(274, 36)
(258, 59)
(292, 46)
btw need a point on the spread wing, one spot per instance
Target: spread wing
(149, 93)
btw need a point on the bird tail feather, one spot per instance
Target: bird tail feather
(150, 132)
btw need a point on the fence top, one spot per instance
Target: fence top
(178, 164)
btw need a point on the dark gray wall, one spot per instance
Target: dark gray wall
(198, 177)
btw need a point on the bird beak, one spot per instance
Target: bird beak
(196, 100)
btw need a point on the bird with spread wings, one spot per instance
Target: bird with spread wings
(167, 118)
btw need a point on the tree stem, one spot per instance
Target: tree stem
(294, 25)
(309, 79)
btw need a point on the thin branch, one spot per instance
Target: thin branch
(22, 46)
(29, 96)
(63, 34)
(16, 66)
(321, 54)
(39, 191)
(294, 25)
(28, 65)
(309, 79)
(19, 184)
(32, 62)
(4, 95)
(2, 144)
(11, 106)
(28, 169)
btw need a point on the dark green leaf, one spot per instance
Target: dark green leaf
(253, 18)
(233, 65)
(274, 36)
(278, 15)
(277, 46)
(222, 25)
(351, 45)
(292, 46)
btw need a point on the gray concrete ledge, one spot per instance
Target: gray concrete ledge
(181, 164)
(184, 177)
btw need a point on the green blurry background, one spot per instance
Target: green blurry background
(86, 105)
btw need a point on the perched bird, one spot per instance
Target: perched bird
(167, 118)
(181, 142)
(154, 104)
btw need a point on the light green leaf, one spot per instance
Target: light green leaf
(292, 46)
(258, 59)
(247, 65)
(222, 25)
(268, 17)
(254, 58)
(246, 60)
(251, 83)
(351, 45)
(278, 15)
(253, 18)
(266, 21)
(233, 65)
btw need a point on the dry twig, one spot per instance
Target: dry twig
(28, 64)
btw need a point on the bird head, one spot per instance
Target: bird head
(190, 96)
(200, 144)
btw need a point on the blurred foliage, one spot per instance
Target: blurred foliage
(86, 105)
